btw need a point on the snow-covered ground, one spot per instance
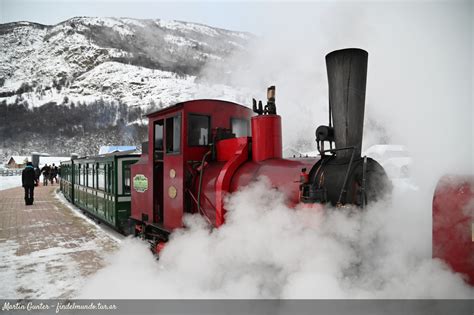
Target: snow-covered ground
(7, 182)
(117, 237)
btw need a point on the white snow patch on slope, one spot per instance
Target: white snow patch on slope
(132, 22)
(178, 40)
(114, 23)
(139, 86)
(187, 27)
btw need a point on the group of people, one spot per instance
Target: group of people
(31, 175)
(50, 173)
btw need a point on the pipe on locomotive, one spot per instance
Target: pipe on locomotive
(266, 130)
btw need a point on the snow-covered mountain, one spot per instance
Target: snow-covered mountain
(124, 66)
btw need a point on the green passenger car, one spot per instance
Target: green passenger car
(100, 186)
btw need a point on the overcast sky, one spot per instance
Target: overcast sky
(244, 16)
(251, 16)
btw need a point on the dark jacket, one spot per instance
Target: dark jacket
(46, 170)
(37, 173)
(28, 176)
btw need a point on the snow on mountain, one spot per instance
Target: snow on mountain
(136, 86)
(104, 63)
(37, 58)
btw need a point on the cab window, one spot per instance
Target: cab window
(240, 127)
(198, 129)
(173, 134)
(158, 141)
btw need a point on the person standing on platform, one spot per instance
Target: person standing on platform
(46, 173)
(28, 178)
(54, 174)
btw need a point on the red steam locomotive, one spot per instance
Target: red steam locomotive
(199, 151)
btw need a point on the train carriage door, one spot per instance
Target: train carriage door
(158, 152)
(173, 172)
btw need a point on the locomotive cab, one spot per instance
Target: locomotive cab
(179, 139)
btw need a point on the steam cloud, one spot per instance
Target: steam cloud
(419, 95)
(266, 250)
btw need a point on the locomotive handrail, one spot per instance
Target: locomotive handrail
(201, 172)
(209, 202)
(200, 210)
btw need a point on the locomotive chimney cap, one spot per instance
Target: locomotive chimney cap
(348, 51)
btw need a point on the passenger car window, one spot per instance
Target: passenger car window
(101, 177)
(90, 175)
(126, 179)
(198, 129)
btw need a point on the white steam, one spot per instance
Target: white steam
(419, 74)
(266, 250)
(418, 95)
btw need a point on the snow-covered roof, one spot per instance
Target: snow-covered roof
(19, 159)
(109, 149)
(43, 160)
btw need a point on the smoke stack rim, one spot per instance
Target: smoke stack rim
(348, 51)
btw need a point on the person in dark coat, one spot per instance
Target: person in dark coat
(54, 174)
(28, 178)
(46, 173)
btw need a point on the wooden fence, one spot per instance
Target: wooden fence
(10, 172)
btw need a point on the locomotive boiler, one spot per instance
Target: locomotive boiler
(199, 151)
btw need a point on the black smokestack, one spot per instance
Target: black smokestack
(347, 76)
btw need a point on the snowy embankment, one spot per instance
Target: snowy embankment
(7, 182)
